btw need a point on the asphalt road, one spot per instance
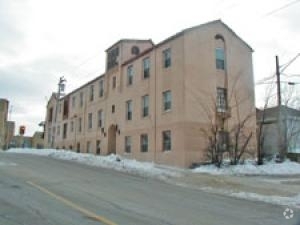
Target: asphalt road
(37, 190)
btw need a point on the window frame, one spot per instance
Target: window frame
(92, 93)
(146, 68)
(90, 120)
(221, 101)
(101, 88)
(166, 144)
(129, 109)
(220, 58)
(145, 107)
(129, 75)
(167, 100)
(127, 144)
(167, 58)
(144, 143)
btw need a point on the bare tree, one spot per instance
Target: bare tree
(228, 128)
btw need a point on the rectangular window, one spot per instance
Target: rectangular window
(59, 108)
(88, 147)
(73, 102)
(167, 100)
(66, 108)
(49, 135)
(65, 129)
(113, 109)
(145, 105)
(220, 59)
(101, 88)
(167, 57)
(129, 110)
(166, 135)
(129, 75)
(81, 99)
(80, 124)
(128, 144)
(92, 93)
(100, 118)
(221, 99)
(58, 130)
(144, 143)
(90, 120)
(114, 82)
(50, 117)
(98, 147)
(72, 126)
(146, 68)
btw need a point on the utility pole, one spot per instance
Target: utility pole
(61, 89)
(279, 122)
(278, 82)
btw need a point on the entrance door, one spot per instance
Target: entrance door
(112, 139)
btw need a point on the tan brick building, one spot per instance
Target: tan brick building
(153, 100)
(7, 128)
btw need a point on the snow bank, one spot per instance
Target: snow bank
(115, 162)
(250, 168)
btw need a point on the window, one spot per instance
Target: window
(80, 124)
(50, 117)
(220, 59)
(49, 135)
(101, 88)
(98, 147)
(129, 110)
(167, 100)
(81, 99)
(127, 144)
(166, 135)
(113, 109)
(129, 75)
(90, 120)
(145, 105)
(92, 93)
(100, 118)
(114, 82)
(144, 143)
(88, 147)
(146, 68)
(65, 129)
(58, 130)
(59, 108)
(73, 102)
(66, 108)
(72, 126)
(221, 99)
(167, 57)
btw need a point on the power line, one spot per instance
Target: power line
(281, 8)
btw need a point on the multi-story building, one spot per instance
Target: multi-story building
(7, 128)
(153, 100)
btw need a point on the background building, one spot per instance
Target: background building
(7, 128)
(280, 136)
(154, 101)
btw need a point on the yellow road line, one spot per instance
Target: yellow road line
(73, 205)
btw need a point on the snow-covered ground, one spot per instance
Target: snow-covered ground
(250, 168)
(115, 162)
(147, 169)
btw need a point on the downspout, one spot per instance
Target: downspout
(155, 116)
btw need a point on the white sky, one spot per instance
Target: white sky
(42, 40)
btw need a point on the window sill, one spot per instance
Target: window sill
(167, 111)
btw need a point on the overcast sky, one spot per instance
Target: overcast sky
(43, 40)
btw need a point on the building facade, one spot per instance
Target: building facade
(280, 132)
(7, 128)
(153, 100)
